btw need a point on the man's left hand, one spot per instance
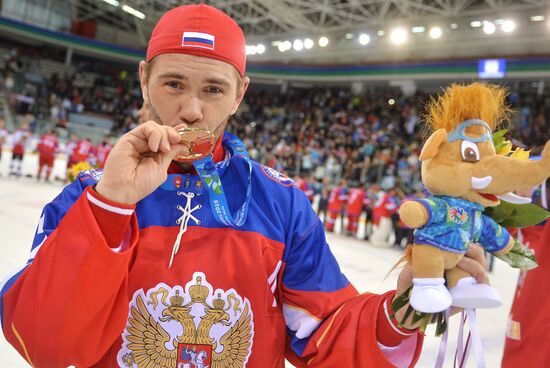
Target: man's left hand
(474, 263)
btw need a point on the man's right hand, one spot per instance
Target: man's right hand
(139, 161)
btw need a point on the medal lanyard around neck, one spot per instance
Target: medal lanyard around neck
(210, 177)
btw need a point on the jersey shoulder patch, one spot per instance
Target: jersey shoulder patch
(277, 176)
(92, 174)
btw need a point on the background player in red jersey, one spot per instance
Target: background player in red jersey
(301, 183)
(385, 206)
(70, 149)
(19, 138)
(47, 148)
(336, 204)
(82, 151)
(529, 321)
(3, 136)
(354, 208)
(102, 151)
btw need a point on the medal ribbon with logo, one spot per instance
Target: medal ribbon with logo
(201, 143)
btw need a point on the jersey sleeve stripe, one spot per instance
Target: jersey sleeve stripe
(108, 207)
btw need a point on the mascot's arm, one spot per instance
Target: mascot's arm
(494, 238)
(69, 302)
(425, 211)
(413, 214)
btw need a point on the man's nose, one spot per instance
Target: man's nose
(191, 110)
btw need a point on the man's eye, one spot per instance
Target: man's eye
(173, 84)
(214, 90)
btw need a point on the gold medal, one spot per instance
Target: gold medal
(200, 142)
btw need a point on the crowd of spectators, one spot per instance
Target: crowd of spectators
(114, 91)
(318, 132)
(332, 133)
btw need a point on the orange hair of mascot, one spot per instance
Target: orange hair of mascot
(474, 101)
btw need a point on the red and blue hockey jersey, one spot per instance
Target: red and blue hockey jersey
(97, 290)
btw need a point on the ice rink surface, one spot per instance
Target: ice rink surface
(21, 201)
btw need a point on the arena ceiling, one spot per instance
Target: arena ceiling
(271, 22)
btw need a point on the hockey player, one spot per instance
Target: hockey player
(47, 148)
(102, 151)
(19, 138)
(3, 136)
(302, 184)
(528, 323)
(354, 208)
(383, 230)
(336, 204)
(82, 151)
(70, 150)
(132, 265)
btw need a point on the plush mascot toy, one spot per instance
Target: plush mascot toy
(464, 174)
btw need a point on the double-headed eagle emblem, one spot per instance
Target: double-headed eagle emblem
(197, 329)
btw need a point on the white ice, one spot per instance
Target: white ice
(21, 201)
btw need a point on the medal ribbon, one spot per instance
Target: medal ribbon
(208, 172)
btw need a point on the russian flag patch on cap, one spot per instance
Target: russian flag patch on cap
(198, 39)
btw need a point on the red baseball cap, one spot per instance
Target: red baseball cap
(199, 30)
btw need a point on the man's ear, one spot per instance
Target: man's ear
(431, 147)
(240, 94)
(143, 78)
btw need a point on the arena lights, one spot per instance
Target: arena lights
(255, 49)
(349, 36)
(418, 29)
(476, 24)
(508, 26)
(323, 41)
(537, 18)
(380, 33)
(298, 45)
(308, 43)
(435, 33)
(453, 26)
(364, 39)
(391, 102)
(112, 2)
(284, 46)
(134, 12)
(398, 36)
(489, 28)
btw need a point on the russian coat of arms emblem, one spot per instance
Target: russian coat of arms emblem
(191, 327)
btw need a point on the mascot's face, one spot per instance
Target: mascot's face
(464, 164)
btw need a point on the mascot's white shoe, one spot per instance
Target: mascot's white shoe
(468, 293)
(429, 295)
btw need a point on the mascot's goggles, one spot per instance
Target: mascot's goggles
(460, 132)
(200, 142)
